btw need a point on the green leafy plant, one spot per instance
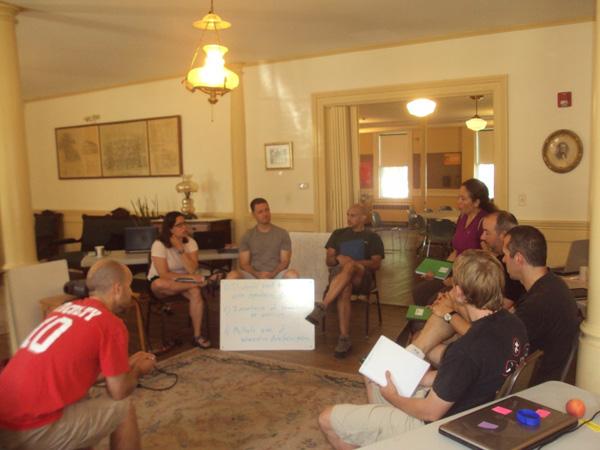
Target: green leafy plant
(144, 209)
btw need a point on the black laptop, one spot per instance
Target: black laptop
(210, 240)
(496, 427)
(139, 239)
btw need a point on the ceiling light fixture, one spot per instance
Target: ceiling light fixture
(213, 78)
(476, 123)
(421, 107)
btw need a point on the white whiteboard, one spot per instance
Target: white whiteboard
(27, 285)
(266, 315)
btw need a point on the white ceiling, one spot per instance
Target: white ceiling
(68, 46)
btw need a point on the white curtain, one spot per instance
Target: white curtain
(341, 150)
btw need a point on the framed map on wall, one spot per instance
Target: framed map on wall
(135, 148)
(78, 152)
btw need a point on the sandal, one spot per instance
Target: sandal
(201, 342)
(215, 278)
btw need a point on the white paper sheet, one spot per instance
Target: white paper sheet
(406, 368)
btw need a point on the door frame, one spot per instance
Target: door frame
(496, 85)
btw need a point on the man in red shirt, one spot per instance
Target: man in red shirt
(43, 389)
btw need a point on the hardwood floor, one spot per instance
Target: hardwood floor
(177, 325)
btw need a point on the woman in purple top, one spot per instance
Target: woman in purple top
(474, 204)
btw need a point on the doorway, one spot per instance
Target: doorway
(494, 87)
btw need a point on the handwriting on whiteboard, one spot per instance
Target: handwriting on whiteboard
(266, 315)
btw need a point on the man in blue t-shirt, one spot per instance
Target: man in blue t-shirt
(353, 255)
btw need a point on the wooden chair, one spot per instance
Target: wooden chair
(521, 378)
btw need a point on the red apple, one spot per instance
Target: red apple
(575, 408)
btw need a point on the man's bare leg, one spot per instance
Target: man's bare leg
(327, 429)
(291, 273)
(340, 285)
(436, 331)
(349, 272)
(436, 354)
(344, 308)
(234, 275)
(127, 435)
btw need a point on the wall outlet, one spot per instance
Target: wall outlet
(522, 200)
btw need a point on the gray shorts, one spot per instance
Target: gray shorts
(249, 276)
(83, 424)
(365, 424)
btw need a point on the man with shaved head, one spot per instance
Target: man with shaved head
(44, 387)
(353, 255)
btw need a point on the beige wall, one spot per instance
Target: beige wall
(205, 143)
(278, 107)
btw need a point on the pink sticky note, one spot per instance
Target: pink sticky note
(543, 413)
(501, 410)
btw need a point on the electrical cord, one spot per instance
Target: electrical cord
(155, 374)
(570, 431)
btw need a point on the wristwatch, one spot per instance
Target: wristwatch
(448, 316)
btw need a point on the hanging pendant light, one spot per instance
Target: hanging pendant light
(421, 107)
(213, 78)
(476, 123)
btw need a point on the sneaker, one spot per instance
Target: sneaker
(343, 347)
(317, 314)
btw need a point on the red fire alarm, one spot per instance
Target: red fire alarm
(564, 99)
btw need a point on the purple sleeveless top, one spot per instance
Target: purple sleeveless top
(466, 237)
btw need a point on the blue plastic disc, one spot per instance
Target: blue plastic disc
(528, 417)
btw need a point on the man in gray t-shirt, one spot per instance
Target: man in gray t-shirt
(266, 249)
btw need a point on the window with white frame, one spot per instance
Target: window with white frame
(393, 182)
(484, 158)
(395, 158)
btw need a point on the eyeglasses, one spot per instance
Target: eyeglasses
(180, 224)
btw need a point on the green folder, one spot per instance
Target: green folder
(416, 312)
(440, 269)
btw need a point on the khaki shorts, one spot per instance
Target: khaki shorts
(83, 424)
(249, 276)
(365, 424)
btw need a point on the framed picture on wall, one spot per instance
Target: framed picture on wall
(279, 155)
(132, 148)
(78, 152)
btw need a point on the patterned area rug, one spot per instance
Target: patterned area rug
(227, 400)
